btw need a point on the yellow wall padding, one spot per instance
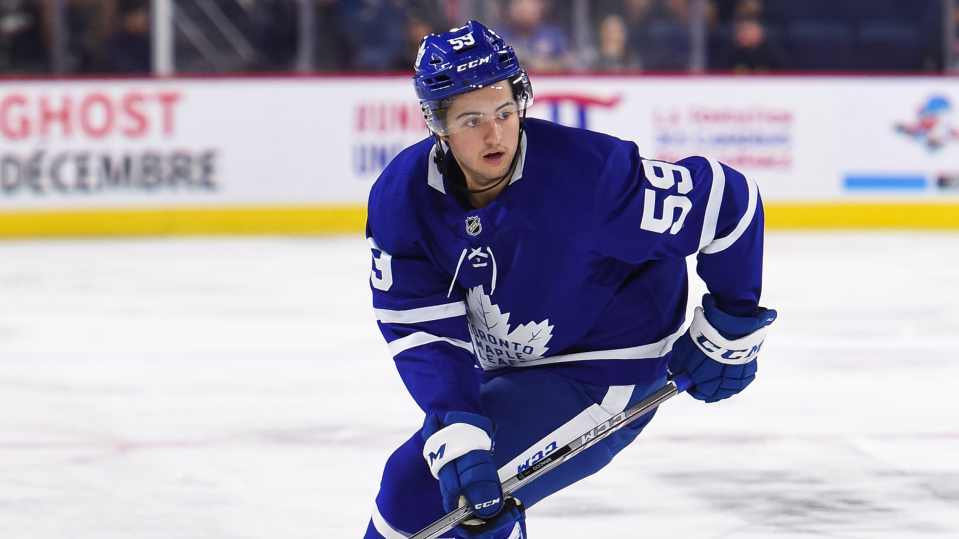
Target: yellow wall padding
(184, 221)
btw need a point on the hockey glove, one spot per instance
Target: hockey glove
(719, 351)
(459, 454)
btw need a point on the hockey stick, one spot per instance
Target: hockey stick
(585, 441)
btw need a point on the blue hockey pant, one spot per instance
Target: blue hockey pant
(534, 413)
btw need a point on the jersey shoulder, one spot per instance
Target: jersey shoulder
(574, 161)
(574, 143)
(397, 197)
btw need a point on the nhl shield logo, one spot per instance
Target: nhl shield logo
(473, 226)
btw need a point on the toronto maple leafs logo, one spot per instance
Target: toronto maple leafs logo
(496, 346)
(419, 54)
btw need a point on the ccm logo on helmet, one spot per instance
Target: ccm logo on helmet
(474, 63)
(490, 503)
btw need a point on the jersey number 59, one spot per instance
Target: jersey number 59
(663, 176)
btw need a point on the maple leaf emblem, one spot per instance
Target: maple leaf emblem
(492, 336)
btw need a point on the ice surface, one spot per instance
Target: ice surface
(238, 388)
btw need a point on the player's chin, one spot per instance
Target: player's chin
(496, 173)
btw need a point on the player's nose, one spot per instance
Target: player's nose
(495, 132)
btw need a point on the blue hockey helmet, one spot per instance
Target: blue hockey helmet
(460, 61)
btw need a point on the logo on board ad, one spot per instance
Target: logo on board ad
(381, 130)
(572, 109)
(948, 181)
(934, 125)
(934, 128)
(743, 137)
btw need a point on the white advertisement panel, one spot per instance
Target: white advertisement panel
(775, 131)
(900, 136)
(322, 141)
(200, 142)
(803, 139)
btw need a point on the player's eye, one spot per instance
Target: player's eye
(472, 122)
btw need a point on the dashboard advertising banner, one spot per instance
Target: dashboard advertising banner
(320, 142)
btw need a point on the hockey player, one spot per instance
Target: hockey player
(531, 282)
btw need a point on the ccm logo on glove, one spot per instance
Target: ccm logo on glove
(490, 503)
(728, 351)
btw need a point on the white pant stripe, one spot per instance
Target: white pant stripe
(384, 527)
(614, 402)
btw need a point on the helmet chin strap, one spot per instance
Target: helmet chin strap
(439, 157)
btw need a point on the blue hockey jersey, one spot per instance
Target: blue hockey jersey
(577, 266)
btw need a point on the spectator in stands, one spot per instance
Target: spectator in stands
(273, 26)
(541, 47)
(955, 66)
(748, 10)
(615, 54)
(416, 29)
(638, 11)
(750, 51)
(637, 16)
(376, 30)
(22, 47)
(89, 24)
(128, 50)
(677, 11)
(725, 9)
(331, 48)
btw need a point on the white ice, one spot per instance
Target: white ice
(238, 388)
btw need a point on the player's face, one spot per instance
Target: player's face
(484, 131)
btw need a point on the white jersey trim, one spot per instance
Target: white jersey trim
(420, 338)
(714, 204)
(423, 314)
(382, 526)
(433, 175)
(521, 162)
(647, 351)
(722, 244)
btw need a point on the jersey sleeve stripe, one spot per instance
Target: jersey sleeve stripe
(423, 314)
(722, 244)
(420, 338)
(714, 204)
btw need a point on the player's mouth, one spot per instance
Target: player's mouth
(494, 158)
